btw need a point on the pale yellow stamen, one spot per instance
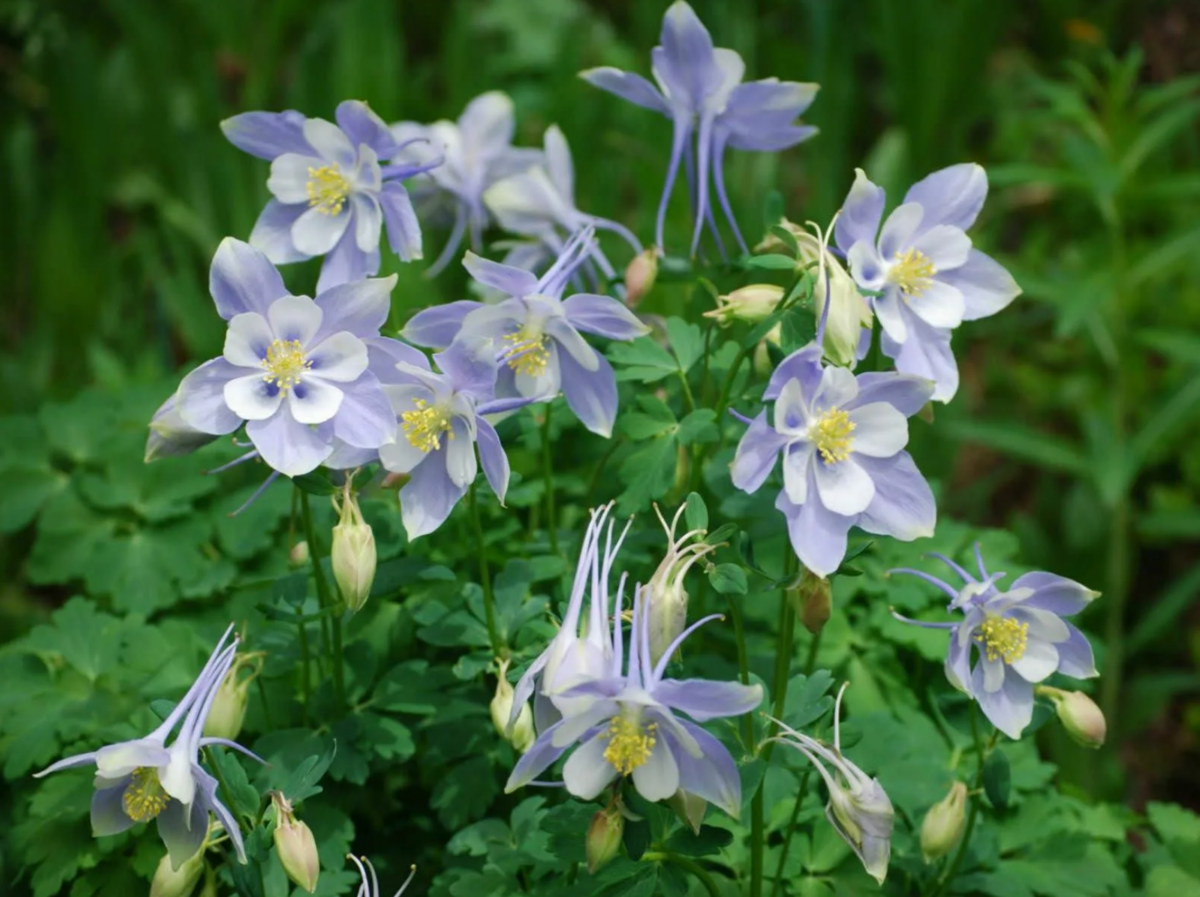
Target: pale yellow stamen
(144, 797)
(424, 426)
(528, 354)
(327, 189)
(912, 272)
(630, 744)
(831, 433)
(1002, 637)
(285, 363)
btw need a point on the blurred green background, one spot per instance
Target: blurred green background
(1077, 420)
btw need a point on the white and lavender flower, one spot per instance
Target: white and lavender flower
(475, 152)
(146, 778)
(1019, 635)
(331, 195)
(842, 439)
(625, 724)
(538, 334)
(927, 276)
(294, 370)
(700, 90)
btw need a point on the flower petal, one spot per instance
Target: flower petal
(316, 231)
(252, 397)
(534, 761)
(592, 394)
(804, 365)
(359, 308)
(898, 230)
(893, 315)
(108, 810)
(861, 213)
(330, 142)
(267, 134)
(603, 316)
(657, 778)
(368, 221)
(867, 267)
(289, 446)
(201, 398)
(460, 455)
(1010, 708)
(289, 178)
(365, 419)
(347, 263)
(951, 195)
(1057, 594)
(295, 318)
(340, 358)
(1075, 657)
(1039, 661)
(712, 776)
(272, 233)
(560, 330)
(429, 496)
(818, 535)
(903, 505)
(558, 161)
(628, 86)
(756, 454)
(118, 760)
(492, 457)
(403, 228)
(313, 401)
(946, 247)
(797, 462)
(838, 387)
(985, 284)
(470, 367)
(904, 392)
(182, 830)
(926, 353)
(361, 125)
(511, 281)
(247, 340)
(439, 325)
(879, 430)
(844, 487)
(241, 279)
(586, 772)
(704, 699)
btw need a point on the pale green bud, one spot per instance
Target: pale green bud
(1080, 716)
(689, 808)
(299, 554)
(813, 601)
(352, 555)
(229, 706)
(944, 824)
(666, 599)
(849, 312)
(168, 882)
(604, 838)
(763, 366)
(295, 845)
(522, 734)
(640, 275)
(751, 304)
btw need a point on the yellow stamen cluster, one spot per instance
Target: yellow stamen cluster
(912, 272)
(832, 435)
(1002, 637)
(327, 189)
(528, 354)
(424, 426)
(285, 363)
(630, 744)
(144, 797)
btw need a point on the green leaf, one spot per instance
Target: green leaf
(687, 342)
(1180, 832)
(710, 840)
(997, 778)
(786, 237)
(722, 533)
(773, 209)
(26, 488)
(1038, 448)
(302, 781)
(696, 515)
(642, 359)
(728, 579)
(772, 262)
(648, 473)
(319, 482)
(698, 427)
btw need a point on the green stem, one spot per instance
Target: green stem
(305, 684)
(325, 598)
(723, 400)
(1115, 596)
(813, 647)
(548, 478)
(791, 830)
(701, 874)
(739, 634)
(485, 576)
(613, 444)
(952, 869)
(688, 398)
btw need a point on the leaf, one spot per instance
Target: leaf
(236, 791)
(711, 840)
(807, 699)
(786, 237)
(728, 579)
(1159, 617)
(302, 781)
(698, 427)
(643, 359)
(696, 515)
(1038, 448)
(773, 209)
(997, 778)
(648, 473)
(26, 488)
(319, 482)
(1180, 832)
(464, 792)
(772, 262)
(687, 342)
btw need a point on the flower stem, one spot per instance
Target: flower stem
(791, 830)
(548, 479)
(739, 634)
(701, 874)
(485, 577)
(981, 754)
(305, 684)
(325, 599)
(723, 401)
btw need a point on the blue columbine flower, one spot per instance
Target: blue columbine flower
(146, 778)
(842, 439)
(441, 421)
(331, 194)
(1019, 634)
(626, 725)
(294, 370)
(921, 264)
(699, 88)
(476, 151)
(538, 333)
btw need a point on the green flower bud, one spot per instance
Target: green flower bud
(299, 554)
(229, 706)
(352, 555)
(849, 312)
(944, 824)
(179, 882)
(295, 845)
(665, 596)
(813, 601)
(521, 735)
(1080, 716)
(751, 304)
(640, 275)
(604, 838)
(689, 808)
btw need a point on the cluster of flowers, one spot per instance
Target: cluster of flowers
(314, 382)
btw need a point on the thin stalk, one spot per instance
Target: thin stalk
(813, 647)
(485, 576)
(723, 400)
(689, 865)
(331, 620)
(305, 683)
(791, 830)
(548, 479)
(952, 869)
(1115, 595)
(739, 634)
(688, 398)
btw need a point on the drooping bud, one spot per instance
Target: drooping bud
(944, 824)
(168, 882)
(298, 556)
(813, 601)
(1080, 716)
(170, 435)
(666, 599)
(352, 555)
(751, 304)
(640, 275)
(229, 705)
(763, 365)
(849, 312)
(689, 808)
(522, 734)
(295, 845)
(604, 838)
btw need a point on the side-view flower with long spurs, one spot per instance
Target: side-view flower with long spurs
(922, 269)
(1019, 636)
(331, 195)
(538, 334)
(146, 778)
(842, 439)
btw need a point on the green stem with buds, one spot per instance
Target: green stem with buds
(981, 753)
(325, 599)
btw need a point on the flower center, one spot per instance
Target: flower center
(831, 433)
(527, 353)
(285, 362)
(1002, 637)
(630, 744)
(424, 426)
(912, 272)
(144, 797)
(327, 189)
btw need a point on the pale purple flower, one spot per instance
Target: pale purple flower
(538, 334)
(625, 724)
(146, 778)
(441, 422)
(294, 370)
(921, 264)
(1019, 636)
(170, 434)
(332, 196)
(699, 88)
(476, 151)
(841, 438)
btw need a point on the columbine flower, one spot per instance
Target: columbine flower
(440, 423)
(928, 276)
(331, 195)
(294, 370)
(699, 89)
(539, 203)
(666, 598)
(752, 304)
(859, 811)
(170, 434)
(842, 439)
(625, 725)
(538, 333)
(1019, 634)
(145, 779)
(370, 886)
(476, 151)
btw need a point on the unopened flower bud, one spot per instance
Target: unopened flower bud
(849, 312)
(751, 304)
(666, 598)
(521, 733)
(210, 884)
(352, 555)
(295, 845)
(604, 838)
(640, 275)
(689, 808)
(1080, 716)
(299, 554)
(813, 601)
(170, 435)
(763, 365)
(944, 824)
(863, 816)
(229, 705)
(169, 882)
